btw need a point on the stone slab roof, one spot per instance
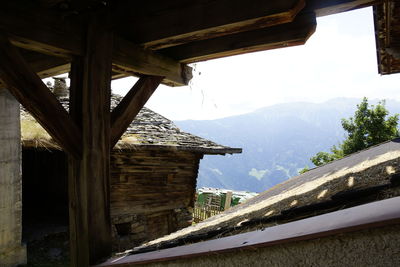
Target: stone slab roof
(149, 130)
(362, 177)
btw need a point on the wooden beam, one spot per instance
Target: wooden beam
(330, 7)
(130, 59)
(284, 35)
(63, 36)
(34, 95)
(131, 104)
(89, 178)
(44, 65)
(39, 30)
(184, 22)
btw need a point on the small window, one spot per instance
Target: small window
(123, 229)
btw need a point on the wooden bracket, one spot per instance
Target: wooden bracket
(33, 94)
(131, 104)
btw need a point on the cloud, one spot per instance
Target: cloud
(258, 174)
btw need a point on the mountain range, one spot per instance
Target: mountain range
(277, 141)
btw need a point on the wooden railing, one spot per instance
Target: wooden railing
(211, 206)
(202, 212)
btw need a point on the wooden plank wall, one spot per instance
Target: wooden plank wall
(152, 181)
(157, 187)
(152, 192)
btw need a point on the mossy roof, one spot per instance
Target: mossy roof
(149, 130)
(362, 177)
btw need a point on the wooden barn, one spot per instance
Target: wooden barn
(153, 169)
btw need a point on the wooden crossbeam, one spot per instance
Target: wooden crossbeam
(284, 35)
(131, 104)
(55, 35)
(37, 29)
(46, 66)
(187, 21)
(34, 95)
(130, 59)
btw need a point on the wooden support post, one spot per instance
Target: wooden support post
(131, 104)
(89, 182)
(228, 200)
(77, 187)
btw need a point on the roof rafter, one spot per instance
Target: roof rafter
(329, 7)
(284, 35)
(48, 33)
(186, 21)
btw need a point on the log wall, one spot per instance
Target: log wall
(152, 192)
(158, 187)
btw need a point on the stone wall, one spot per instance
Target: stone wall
(374, 247)
(132, 230)
(12, 252)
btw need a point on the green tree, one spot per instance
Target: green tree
(369, 126)
(305, 169)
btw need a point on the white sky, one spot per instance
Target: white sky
(339, 60)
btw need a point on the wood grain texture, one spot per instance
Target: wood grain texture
(330, 7)
(140, 184)
(126, 111)
(41, 31)
(77, 185)
(185, 22)
(34, 95)
(285, 35)
(96, 94)
(89, 178)
(130, 58)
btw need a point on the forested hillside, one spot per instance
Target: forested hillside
(277, 142)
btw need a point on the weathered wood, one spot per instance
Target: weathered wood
(96, 94)
(330, 7)
(140, 182)
(284, 35)
(185, 22)
(47, 33)
(131, 59)
(34, 95)
(77, 185)
(387, 36)
(126, 111)
(228, 200)
(44, 65)
(40, 30)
